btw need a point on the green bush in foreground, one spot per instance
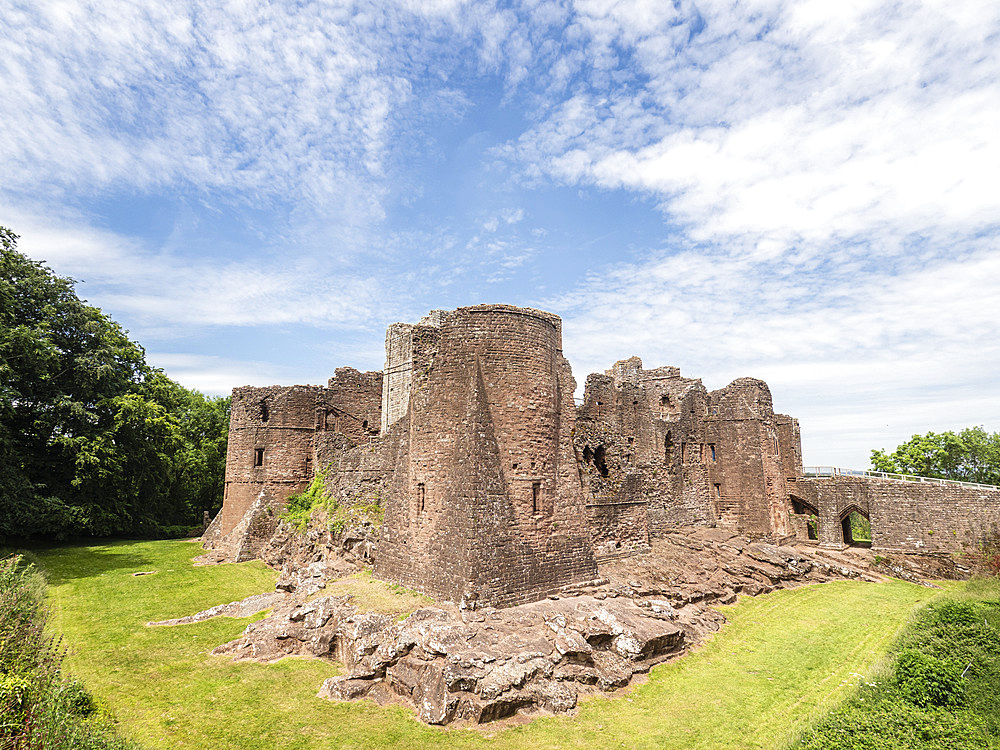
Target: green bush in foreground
(39, 706)
(941, 688)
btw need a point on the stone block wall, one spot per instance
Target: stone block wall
(279, 435)
(352, 404)
(750, 470)
(904, 516)
(692, 457)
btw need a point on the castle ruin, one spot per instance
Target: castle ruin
(497, 489)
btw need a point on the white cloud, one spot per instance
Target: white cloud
(282, 101)
(788, 120)
(167, 295)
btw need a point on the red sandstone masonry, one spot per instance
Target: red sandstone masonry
(497, 490)
(490, 509)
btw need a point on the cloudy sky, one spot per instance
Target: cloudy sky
(806, 192)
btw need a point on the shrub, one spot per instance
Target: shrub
(955, 612)
(926, 680)
(40, 707)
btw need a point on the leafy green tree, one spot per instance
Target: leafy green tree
(93, 440)
(972, 455)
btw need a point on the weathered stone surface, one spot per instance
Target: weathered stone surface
(243, 608)
(485, 664)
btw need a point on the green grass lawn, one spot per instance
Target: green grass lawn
(783, 660)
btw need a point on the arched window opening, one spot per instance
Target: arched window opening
(264, 414)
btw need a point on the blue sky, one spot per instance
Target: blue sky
(805, 192)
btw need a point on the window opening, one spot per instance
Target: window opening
(264, 414)
(588, 455)
(718, 491)
(668, 447)
(421, 497)
(711, 448)
(602, 467)
(258, 456)
(536, 493)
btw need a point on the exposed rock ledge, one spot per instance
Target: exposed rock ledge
(481, 665)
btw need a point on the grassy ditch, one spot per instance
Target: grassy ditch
(783, 660)
(40, 705)
(940, 687)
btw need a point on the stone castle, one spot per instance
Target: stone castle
(498, 489)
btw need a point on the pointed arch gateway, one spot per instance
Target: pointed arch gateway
(855, 526)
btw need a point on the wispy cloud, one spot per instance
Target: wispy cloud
(826, 176)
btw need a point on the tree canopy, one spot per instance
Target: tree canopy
(972, 455)
(93, 440)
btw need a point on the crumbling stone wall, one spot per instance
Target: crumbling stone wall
(486, 505)
(904, 516)
(749, 473)
(278, 435)
(497, 490)
(653, 443)
(269, 453)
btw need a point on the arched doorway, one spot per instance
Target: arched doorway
(856, 527)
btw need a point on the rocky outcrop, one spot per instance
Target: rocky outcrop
(478, 665)
(475, 665)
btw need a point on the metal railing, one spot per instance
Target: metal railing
(836, 471)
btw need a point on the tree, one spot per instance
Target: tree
(93, 440)
(972, 455)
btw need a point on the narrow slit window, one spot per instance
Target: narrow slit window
(711, 448)
(718, 491)
(264, 414)
(421, 497)
(258, 456)
(536, 497)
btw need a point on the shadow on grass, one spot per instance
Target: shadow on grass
(81, 560)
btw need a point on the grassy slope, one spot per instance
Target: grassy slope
(783, 659)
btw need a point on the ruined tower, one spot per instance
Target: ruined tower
(487, 502)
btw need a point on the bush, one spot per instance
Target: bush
(941, 690)
(954, 612)
(40, 707)
(925, 680)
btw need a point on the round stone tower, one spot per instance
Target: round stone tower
(487, 505)
(270, 447)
